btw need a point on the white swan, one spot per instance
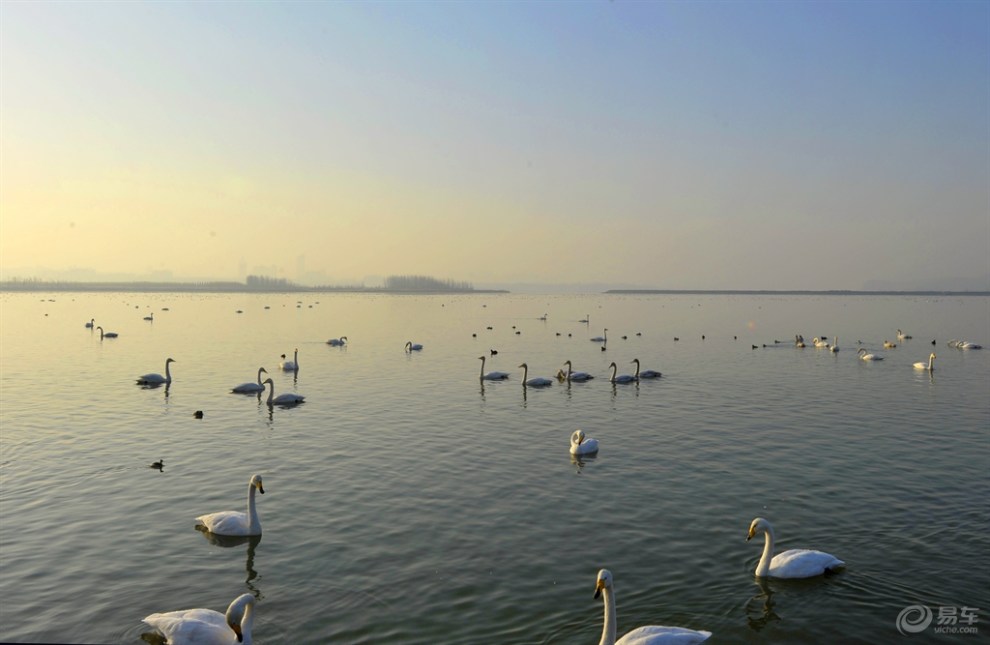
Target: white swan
(235, 522)
(109, 334)
(888, 345)
(930, 366)
(92, 321)
(819, 342)
(337, 342)
(835, 345)
(289, 398)
(795, 563)
(413, 347)
(621, 378)
(648, 635)
(536, 381)
(576, 376)
(601, 339)
(491, 376)
(645, 373)
(965, 344)
(581, 445)
(249, 387)
(290, 366)
(157, 379)
(866, 356)
(205, 626)
(902, 336)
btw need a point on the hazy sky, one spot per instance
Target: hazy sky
(740, 145)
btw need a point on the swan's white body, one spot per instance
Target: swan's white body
(819, 342)
(888, 345)
(92, 321)
(795, 563)
(536, 381)
(234, 522)
(902, 336)
(601, 339)
(648, 635)
(249, 387)
(930, 365)
(157, 379)
(290, 366)
(835, 344)
(207, 627)
(337, 342)
(413, 347)
(866, 356)
(965, 344)
(645, 373)
(109, 334)
(289, 398)
(491, 376)
(581, 445)
(620, 378)
(577, 376)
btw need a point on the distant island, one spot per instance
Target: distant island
(253, 284)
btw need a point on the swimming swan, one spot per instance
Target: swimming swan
(648, 635)
(337, 342)
(888, 345)
(835, 345)
(601, 339)
(866, 356)
(576, 376)
(157, 379)
(109, 334)
(621, 378)
(795, 563)
(819, 342)
(413, 347)
(290, 366)
(92, 321)
(235, 522)
(536, 381)
(930, 366)
(581, 445)
(645, 373)
(902, 336)
(249, 387)
(207, 627)
(491, 376)
(289, 398)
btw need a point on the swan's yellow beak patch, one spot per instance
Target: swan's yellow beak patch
(751, 534)
(237, 630)
(598, 588)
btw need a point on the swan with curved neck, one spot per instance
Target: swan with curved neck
(157, 379)
(536, 381)
(866, 356)
(289, 398)
(249, 387)
(582, 445)
(413, 347)
(601, 339)
(491, 376)
(337, 342)
(92, 321)
(109, 334)
(645, 373)
(648, 635)
(930, 366)
(290, 366)
(234, 522)
(206, 626)
(795, 563)
(621, 378)
(576, 376)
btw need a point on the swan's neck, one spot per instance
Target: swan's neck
(525, 372)
(763, 568)
(608, 630)
(931, 363)
(259, 379)
(168, 374)
(271, 395)
(252, 511)
(637, 369)
(482, 367)
(614, 370)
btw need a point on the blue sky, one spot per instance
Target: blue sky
(779, 145)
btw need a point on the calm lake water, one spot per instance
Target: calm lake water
(406, 502)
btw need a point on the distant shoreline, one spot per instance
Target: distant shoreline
(236, 287)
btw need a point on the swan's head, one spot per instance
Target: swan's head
(635, 360)
(604, 582)
(758, 525)
(577, 437)
(169, 360)
(524, 365)
(613, 365)
(235, 614)
(256, 482)
(262, 369)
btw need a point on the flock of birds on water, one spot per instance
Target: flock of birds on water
(206, 626)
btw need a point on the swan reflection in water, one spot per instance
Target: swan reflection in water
(759, 608)
(229, 541)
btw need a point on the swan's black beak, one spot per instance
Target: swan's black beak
(237, 631)
(598, 589)
(751, 534)
(261, 489)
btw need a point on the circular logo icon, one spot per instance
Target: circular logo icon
(914, 619)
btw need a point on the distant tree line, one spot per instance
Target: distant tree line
(424, 283)
(264, 283)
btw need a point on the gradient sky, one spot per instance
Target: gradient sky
(682, 145)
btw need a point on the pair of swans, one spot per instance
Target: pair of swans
(413, 347)
(930, 365)
(337, 342)
(289, 398)
(867, 356)
(536, 381)
(157, 379)
(290, 366)
(582, 445)
(491, 376)
(249, 387)
(206, 626)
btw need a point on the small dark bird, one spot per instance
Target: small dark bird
(933, 341)
(702, 337)
(754, 346)
(493, 351)
(158, 465)
(198, 414)
(676, 338)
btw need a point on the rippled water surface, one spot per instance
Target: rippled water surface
(406, 502)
